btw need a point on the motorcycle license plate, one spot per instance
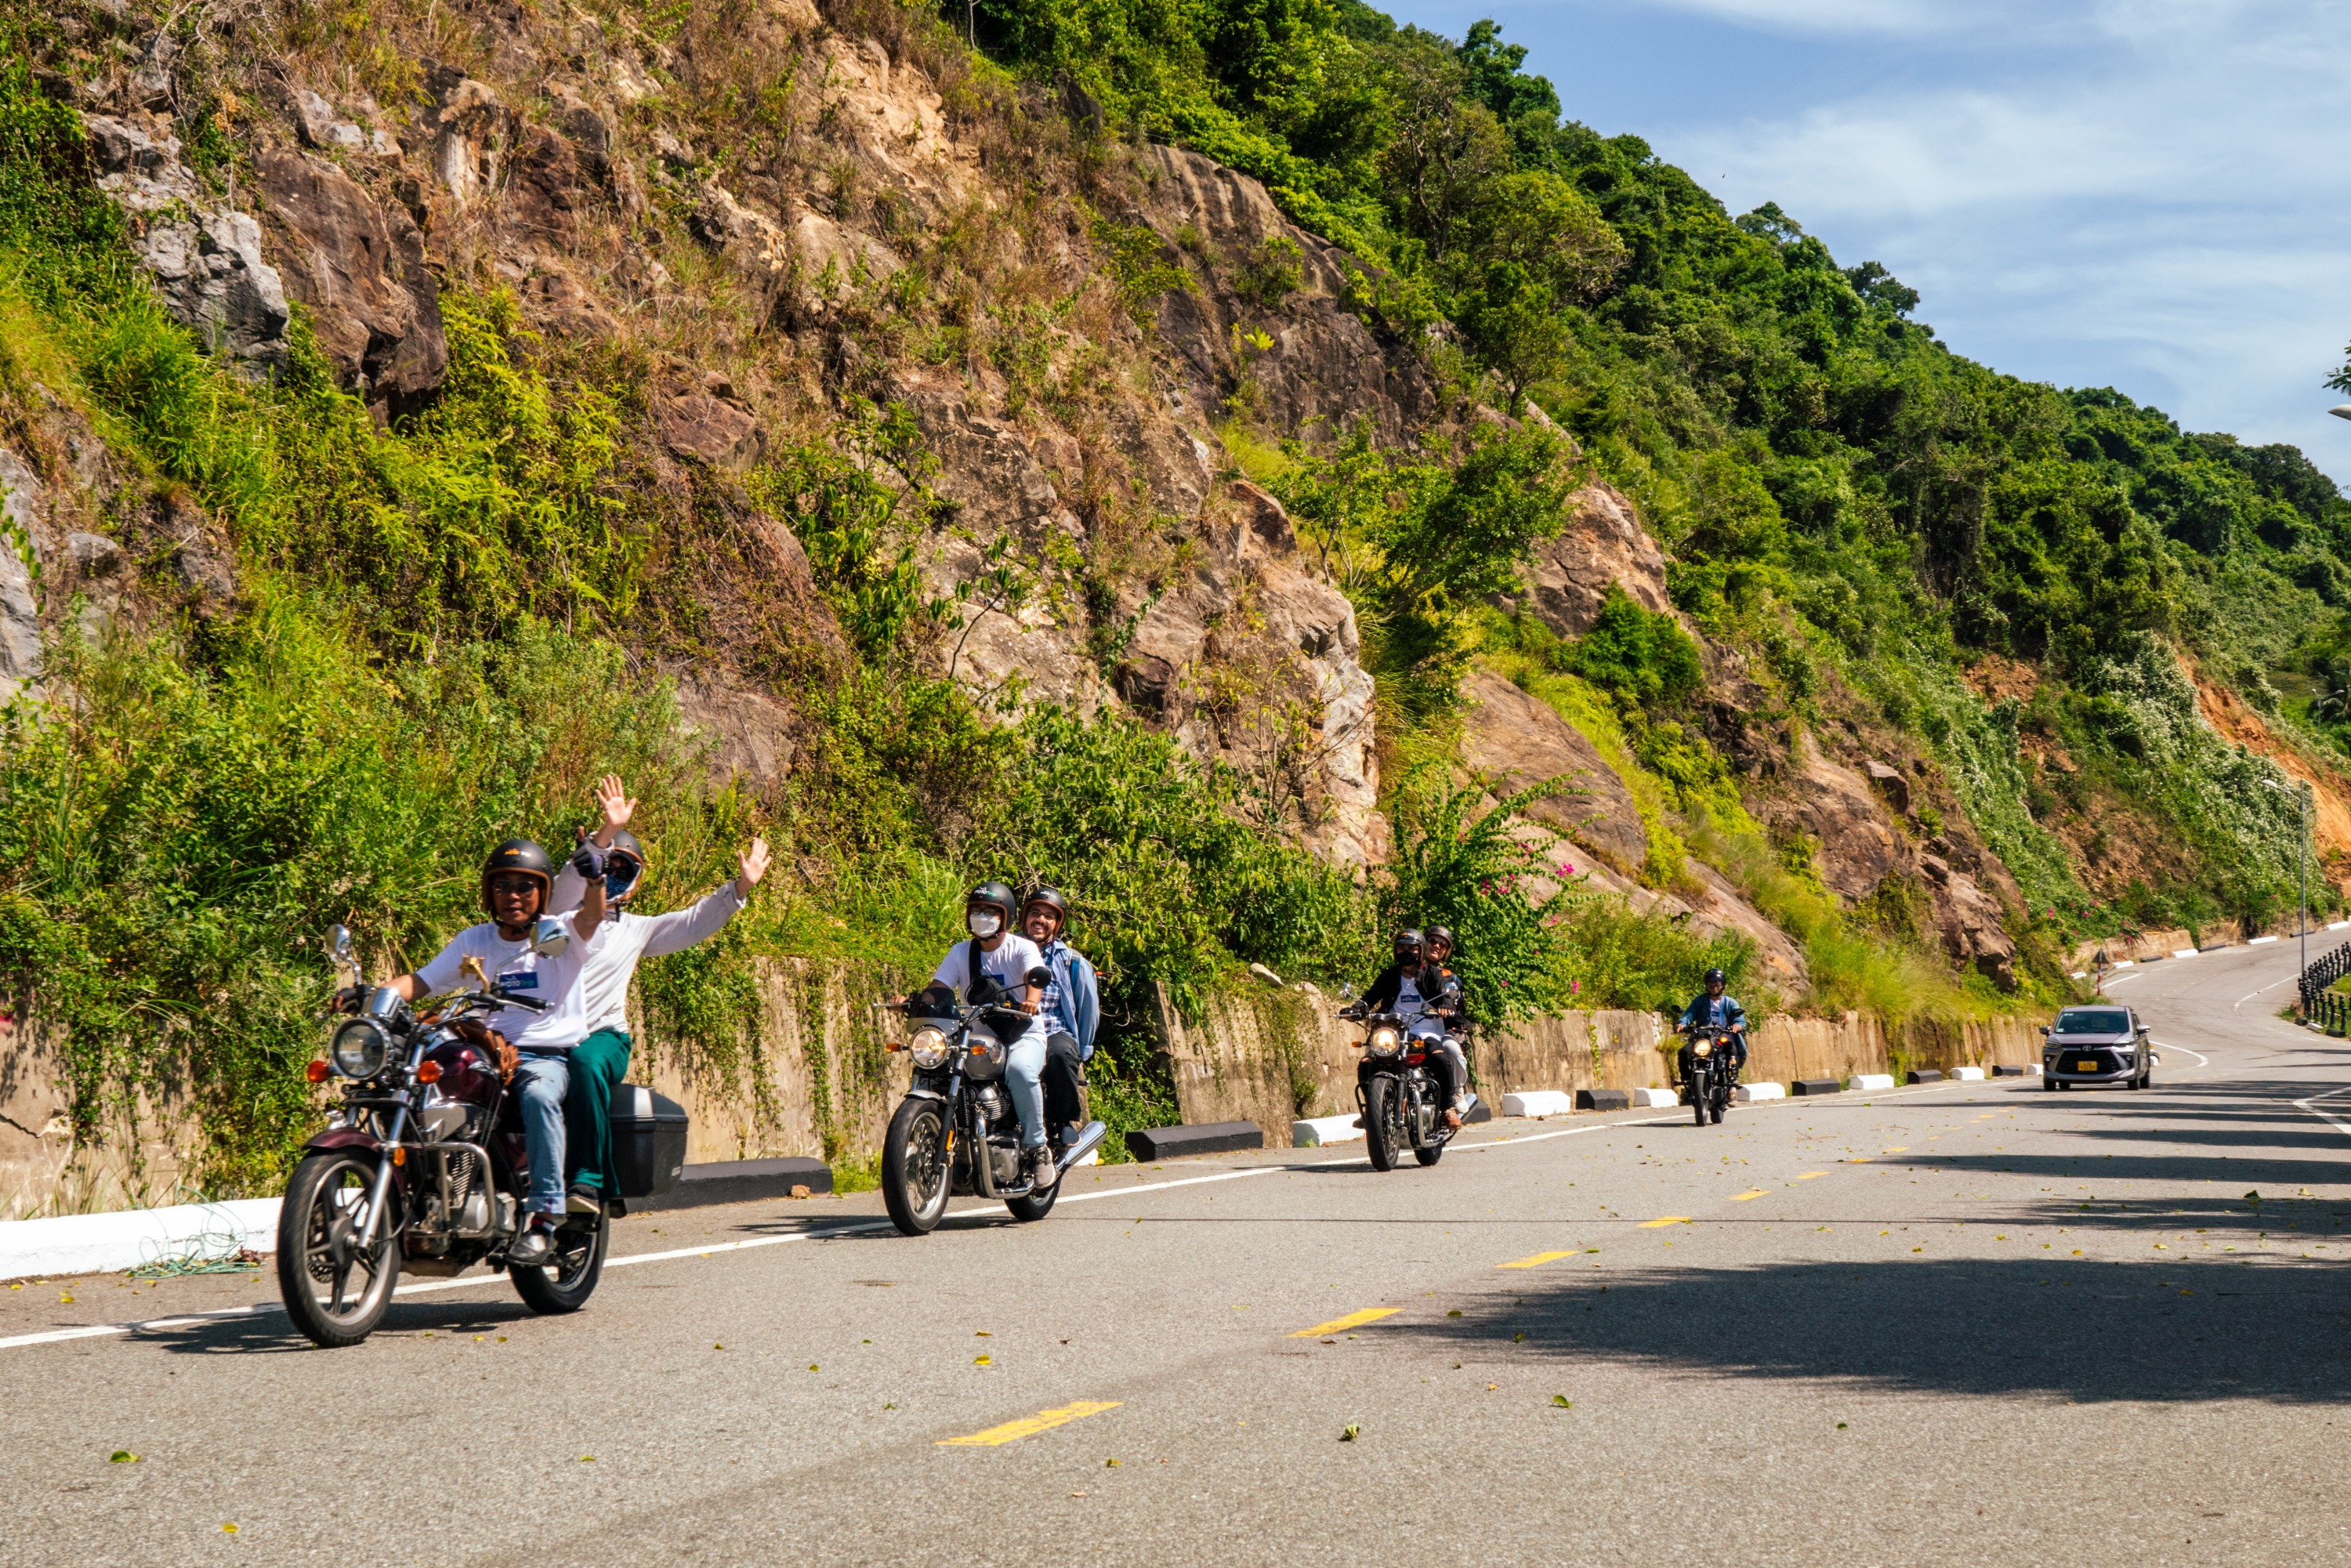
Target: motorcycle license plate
(2087, 1066)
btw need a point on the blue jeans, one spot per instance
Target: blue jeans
(1024, 1074)
(540, 1078)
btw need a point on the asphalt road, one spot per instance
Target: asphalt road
(1969, 1324)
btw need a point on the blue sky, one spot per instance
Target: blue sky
(2149, 194)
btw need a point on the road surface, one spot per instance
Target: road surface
(1967, 1323)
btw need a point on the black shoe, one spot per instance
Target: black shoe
(533, 1248)
(1041, 1174)
(583, 1200)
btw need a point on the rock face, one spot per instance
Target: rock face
(1858, 844)
(20, 614)
(461, 133)
(1969, 920)
(1520, 741)
(1604, 543)
(709, 430)
(1324, 370)
(360, 268)
(207, 261)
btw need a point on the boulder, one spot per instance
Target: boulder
(1890, 783)
(1603, 543)
(1970, 922)
(359, 265)
(1520, 741)
(708, 430)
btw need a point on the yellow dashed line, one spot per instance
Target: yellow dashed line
(1808, 1176)
(1537, 1260)
(1029, 1426)
(1353, 1320)
(1669, 1219)
(1743, 1196)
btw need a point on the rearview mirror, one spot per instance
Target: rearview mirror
(1041, 977)
(551, 939)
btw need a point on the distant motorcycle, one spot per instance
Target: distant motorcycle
(1402, 1105)
(957, 1131)
(426, 1167)
(1706, 1086)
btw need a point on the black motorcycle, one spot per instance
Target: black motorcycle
(957, 1132)
(1402, 1104)
(426, 1167)
(1710, 1071)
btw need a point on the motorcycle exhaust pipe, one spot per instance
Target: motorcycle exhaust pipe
(1088, 1142)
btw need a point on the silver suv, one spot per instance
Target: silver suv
(2098, 1044)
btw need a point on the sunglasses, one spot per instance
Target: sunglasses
(514, 884)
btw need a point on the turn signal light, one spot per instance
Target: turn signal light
(399, 1155)
(429, 1073)
(892, 1045)
(316, 1073)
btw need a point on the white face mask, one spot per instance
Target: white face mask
(984, 923)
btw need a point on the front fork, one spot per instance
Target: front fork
(380, 1195)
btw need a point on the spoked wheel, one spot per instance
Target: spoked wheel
(914, 1166)
(1383, 1122)
(565, 1285)
(336, 1288)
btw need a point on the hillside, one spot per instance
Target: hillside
(1204, 463)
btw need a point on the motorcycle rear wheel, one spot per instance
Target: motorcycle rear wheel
(1383, 1131)
(1036, 1206)
(914, 1172)
(1428, 1154)
(316, 1247)
(564, 1285)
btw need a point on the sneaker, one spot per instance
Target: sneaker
(1452, 1121)
(1041, 1174)
(583, 1200)
(534, 1247)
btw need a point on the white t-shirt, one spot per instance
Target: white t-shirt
(513, 966)
(1008, 966)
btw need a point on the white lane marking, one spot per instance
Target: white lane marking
(2332, 1119)
(427, 1287)
(2201, 1060)
(2114, 980)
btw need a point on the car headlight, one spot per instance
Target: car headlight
(360, 1049)
(1703, 1048)
(929, 1046)
(1385, 1042)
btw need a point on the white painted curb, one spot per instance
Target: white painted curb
(2337, 924)
(2183, 952)
(1654, 1097)
(109, 1243)
(1748, 1092)
(1316, 1131)
(2126, 963)
(1863, 1082)
(1093, 1158)
(1967, 1074)
(2032, 1070)
(2259, 940)
(1538, 1102)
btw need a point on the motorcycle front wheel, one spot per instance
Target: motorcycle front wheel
(914, 1166)
(564, 1285)
(1382, 1121)
(318, 1247)
(1700, 1096)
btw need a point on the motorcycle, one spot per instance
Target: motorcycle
(1402, 1101)
(957, 1132)
(1712, 1073)
(425, 1166)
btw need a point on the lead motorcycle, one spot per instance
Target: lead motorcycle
(1711, 1075)
(957, 1132)
(425, 1166)
(1402, 1104)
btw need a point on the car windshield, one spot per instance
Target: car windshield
(2092, 1020)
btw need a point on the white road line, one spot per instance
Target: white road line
(2332, 1119)
(430, 1287)
(2201, 1060)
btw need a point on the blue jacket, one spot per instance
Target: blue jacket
(1699, 1011)
(1073, 1002)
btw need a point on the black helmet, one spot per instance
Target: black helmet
(1717, 978)
(1442, 933)
(1409, 937)
(522, 855)
(627, 858)
(993, 892)
(1050, 897)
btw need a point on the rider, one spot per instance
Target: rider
(1072, 1008)
(1456, 1023)
(1715, 1010)
(516, 882)
(600, 1061)
(1414, 985)
(1004, 958)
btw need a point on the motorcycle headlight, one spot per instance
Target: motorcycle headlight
(1703, 1048)
(928, 1046)
(1385, 1042)
(360, 1049)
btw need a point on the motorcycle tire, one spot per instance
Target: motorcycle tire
(1428, 1154)
(564, 1285)
(1380, 1128)
(915, 1174)
(325, 1187)
(1699, 1097)
(1035, 1205)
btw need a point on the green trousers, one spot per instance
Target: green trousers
(597, 1064)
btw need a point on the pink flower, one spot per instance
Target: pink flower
(1575, 988)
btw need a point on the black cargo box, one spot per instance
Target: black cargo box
(648, 1141)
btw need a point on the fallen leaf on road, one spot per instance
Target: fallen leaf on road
(1349, 1434)
(1454, 1314)
(587, 1458)
(122, 1456)
(1109, 1464)
(981, 1361)
(1561, 1401)
(228, 1530)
